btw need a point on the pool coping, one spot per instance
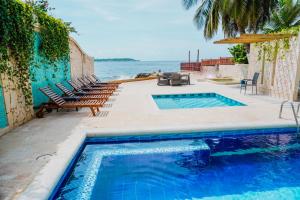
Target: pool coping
(50, 176)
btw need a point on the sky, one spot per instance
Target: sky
(139, 29)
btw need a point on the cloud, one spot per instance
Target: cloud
(107, 11)
(154, 5)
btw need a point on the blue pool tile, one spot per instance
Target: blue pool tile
(186, 174)
(197, 100)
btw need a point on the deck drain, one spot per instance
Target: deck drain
(44, 156)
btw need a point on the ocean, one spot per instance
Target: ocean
(123, 70)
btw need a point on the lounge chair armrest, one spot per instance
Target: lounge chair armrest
(87, 89)
(71, 98)
(80, 93)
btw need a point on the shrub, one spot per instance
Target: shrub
(239, 54)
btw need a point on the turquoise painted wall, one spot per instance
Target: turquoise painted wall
(3, 117)
(44, 75)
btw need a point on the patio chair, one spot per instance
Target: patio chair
(178, 79)
(168, 75)
(175, 79)
(250, 82)
(162, 80)
(185, 79)
(81, 96)
(58, 102)
(84, 91)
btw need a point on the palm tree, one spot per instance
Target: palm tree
(286, 15)
(235, 16)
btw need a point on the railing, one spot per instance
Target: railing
(197, 66)
(295, 113)
(193, 66)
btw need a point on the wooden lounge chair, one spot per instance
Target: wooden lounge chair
(58, 102)
(84, 91)
(86, 84)
(96, 78)
(81, 96)
(94, 82)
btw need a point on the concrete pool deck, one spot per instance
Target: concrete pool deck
(26, 150)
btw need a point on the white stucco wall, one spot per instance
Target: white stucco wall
(81, 63)
(237, 71)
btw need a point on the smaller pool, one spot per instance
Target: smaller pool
(198, 100)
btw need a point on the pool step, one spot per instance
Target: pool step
(257, 150)
(198, 147)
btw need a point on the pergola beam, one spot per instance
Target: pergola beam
(253, 38)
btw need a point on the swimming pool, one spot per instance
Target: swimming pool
(240, 164)
(197, 100)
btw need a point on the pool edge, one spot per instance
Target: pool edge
(44, 184)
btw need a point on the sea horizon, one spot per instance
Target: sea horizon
(117, 70)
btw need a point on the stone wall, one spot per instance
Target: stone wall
(81, 63)
(17, 112)
(279, 78)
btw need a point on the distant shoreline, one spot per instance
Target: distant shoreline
(115, 60)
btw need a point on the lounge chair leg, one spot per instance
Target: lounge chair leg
(39, 113)
(256, 89)
(245, 89)
(252, 89)
(97, 109)
(93, 111)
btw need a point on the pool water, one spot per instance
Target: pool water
(198, 100)
(263, 166)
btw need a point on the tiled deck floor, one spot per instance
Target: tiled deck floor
(25, 150)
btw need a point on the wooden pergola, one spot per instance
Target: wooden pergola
(253, 38)
(256, 38)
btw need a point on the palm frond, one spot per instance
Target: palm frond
(189, 3)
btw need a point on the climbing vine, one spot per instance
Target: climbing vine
(55, 38)
(16, 43)
(269, 50)
(17, 29)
